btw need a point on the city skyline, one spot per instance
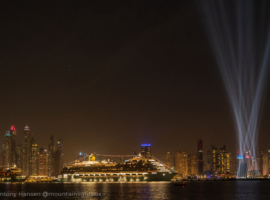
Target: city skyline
(150, 80)
(27, 156)
(217, 163)
(194, 149)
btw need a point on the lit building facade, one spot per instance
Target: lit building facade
(26, 151)
(13, 145)
(181, 163)
(20, 156)
(42, 162)
(146, 150)
(7, 150)
(221, 161)
(58, 162)
(51, 157)
(214, 159)
(168, 159)
(194, 164)
(34, 158)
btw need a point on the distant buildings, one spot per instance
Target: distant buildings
(216, 163)
(27, 156)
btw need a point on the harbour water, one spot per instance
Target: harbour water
(203, 190)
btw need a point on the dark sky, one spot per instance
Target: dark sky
(106, 76)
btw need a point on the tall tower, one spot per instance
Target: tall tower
(58, 158)
(7, 150)
(51, 156)
(13, 145)
(33, 158)
(42, 162)
(26, 151)
(214, 159)
(20, 156)
(200, 156)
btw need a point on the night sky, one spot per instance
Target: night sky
(107, 76)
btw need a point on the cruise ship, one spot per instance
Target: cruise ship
(138, 168)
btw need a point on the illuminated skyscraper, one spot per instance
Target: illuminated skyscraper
(146, 150)
(194, 164)
(234, 165)
(51, 150)
(214, 160)
(13, 145)
(7, 150)
(26, 151)
(20, 156)
(58, 162)
(33, 158)
(42, 162)
(181, 163)
(168, 159)
(221, 161)
(200, 156)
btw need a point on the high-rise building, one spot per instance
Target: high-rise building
(13, 145)
(51, 150)
(221, 161)
(214, 159)
(234, 165)
(200, 156)
(181, 163)
(26, 151)
(7, 150)
(207, 164)
(263, 163)
(168, 159)
(209, 160)
(33, 158)
(194, 164)
(58, 162)
(146, 150)
(20, 156)
(42, 162)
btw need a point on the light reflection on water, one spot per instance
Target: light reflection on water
(221, 190)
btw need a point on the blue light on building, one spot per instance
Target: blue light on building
(146, 145)
(239, 157)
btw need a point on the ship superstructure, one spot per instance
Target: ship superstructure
(138, 168)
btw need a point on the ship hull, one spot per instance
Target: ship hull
(121, 177)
